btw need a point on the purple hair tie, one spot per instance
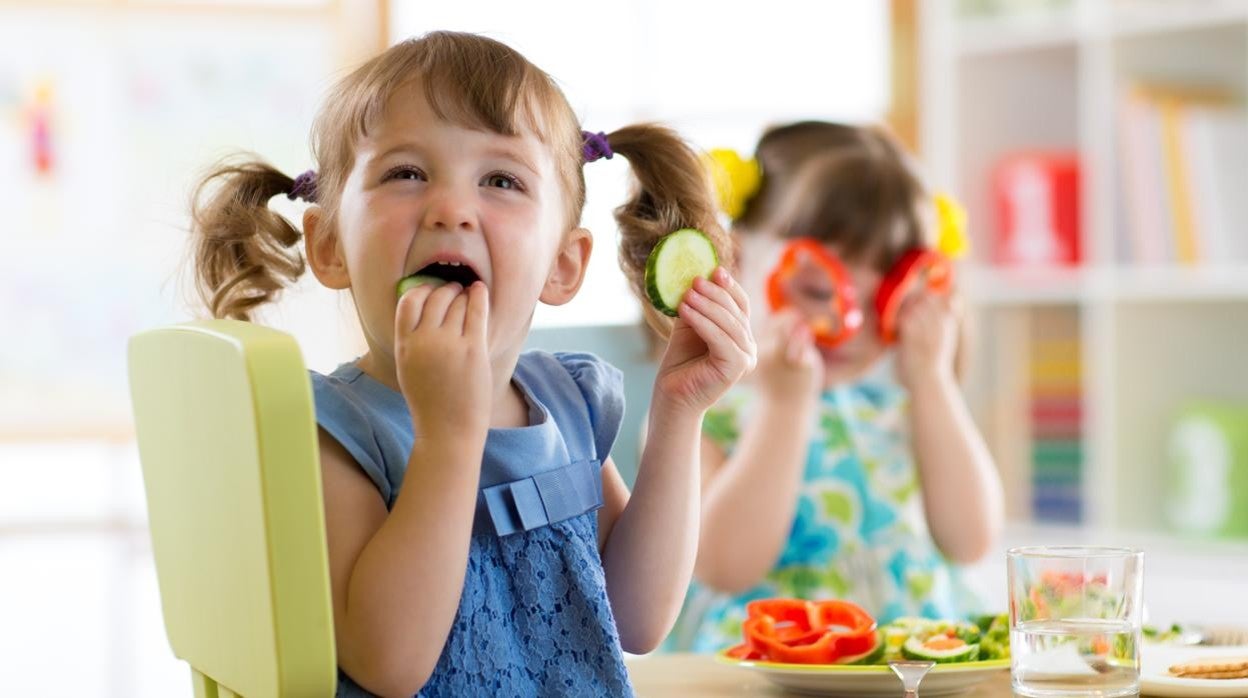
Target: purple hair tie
(595, 146)
(304, 187)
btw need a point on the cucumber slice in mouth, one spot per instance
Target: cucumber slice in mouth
(438, 274)
(674, 263)
(411, 282)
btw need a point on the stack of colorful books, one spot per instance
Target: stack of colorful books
(1057, 430)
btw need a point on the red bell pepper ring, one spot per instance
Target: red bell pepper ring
(791, 621)
(829, 630)
(743, 652)
(844, 318)
(928, 268)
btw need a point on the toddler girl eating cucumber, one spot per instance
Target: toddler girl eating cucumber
(481, 541)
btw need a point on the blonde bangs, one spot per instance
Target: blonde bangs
(467, 80)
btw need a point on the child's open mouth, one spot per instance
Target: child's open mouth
(437, 274)
(448, 272)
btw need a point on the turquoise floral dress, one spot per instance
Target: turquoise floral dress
(859, 532)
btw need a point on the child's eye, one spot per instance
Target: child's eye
(818, 294)
(404, 172)
(502, 180)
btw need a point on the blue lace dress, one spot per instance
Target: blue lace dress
(533, 618)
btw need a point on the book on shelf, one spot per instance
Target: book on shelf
(1056, 417)
(1056, 420)
(1057, 503)
(1183, 155)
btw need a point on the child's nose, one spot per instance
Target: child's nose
(450, 209)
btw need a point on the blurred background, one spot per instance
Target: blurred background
(1100, 147)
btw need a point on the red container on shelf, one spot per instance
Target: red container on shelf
(1036, 196)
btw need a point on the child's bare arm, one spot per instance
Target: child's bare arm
(397, 578)
(651, 546)
(961, 488)
(960, 484)
(748, 499)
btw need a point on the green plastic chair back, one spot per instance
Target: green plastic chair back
(227, 439)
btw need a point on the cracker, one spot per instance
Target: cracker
(1212, 668)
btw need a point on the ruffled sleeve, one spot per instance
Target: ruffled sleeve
(343, 414)
(602, 386)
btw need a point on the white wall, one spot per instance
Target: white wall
(717, 72)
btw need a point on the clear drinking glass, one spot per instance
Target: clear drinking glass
(1075, 620)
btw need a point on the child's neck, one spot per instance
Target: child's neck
(509, 408)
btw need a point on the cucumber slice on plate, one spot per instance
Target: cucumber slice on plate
(674, 263)
(941, 649)
(410, 282)
(875, 655)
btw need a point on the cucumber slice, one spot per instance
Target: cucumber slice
(674, 263)
(411, 282)
(875, 655)
(935, 649)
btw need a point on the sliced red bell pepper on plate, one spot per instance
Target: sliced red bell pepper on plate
(806, 632)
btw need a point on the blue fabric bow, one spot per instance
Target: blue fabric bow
(540, 500)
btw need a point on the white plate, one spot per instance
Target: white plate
(1155, 678)
(863, 681)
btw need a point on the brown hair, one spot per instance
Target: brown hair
(673, 191)
(245, 253)
(854, 187)
(862, 194)
(781, 152)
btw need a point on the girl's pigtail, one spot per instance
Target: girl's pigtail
(244, 252)
(673, 191)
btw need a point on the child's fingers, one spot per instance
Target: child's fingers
(931, 305)
(957, 304)
(455, 313)
(706, 328)
(730, 323)
(411, 307)
(923, 314)
(799, 342)
(478, 310)
(721, 296)
(724, 279)
(782, 322)
(734, 360)
(779, 329)
(439, 301)
(914, 306)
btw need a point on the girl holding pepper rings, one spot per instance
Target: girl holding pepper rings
(847, 466)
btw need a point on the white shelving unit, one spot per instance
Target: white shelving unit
(1149, 338)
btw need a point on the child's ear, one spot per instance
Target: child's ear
(568, 271)
(322, 250)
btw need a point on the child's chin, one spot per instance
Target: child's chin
(840, 367)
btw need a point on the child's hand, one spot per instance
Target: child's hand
(928, 329)
(789, 365)
(442, 361)
(711, 346)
